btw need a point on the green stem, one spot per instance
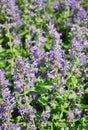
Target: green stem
(52, 126)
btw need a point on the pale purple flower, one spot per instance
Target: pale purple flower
(15, 126)
(17, 42)
(55, 6)
(41, 41)
(34, 95)
(80, 14)
(23, 74)
(58, 6)
(78, 112)
(70, 115)
(72, 3)
(45, 115)
(82, 57)
(3, 81)
(0, 113)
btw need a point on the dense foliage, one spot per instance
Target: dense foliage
(43, 65)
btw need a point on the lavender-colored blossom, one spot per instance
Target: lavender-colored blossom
(41, 41)
(78, 43)
(7, 103)
(82, 57)
(31, 126)
(72, 3)
(70, 115)
(28, 42)
(34, 95)
(24, 76)
(17, 42)
(80, 14)
(55, 6)
(28, 113)
(86, 83)
(80, 92)
(58, 6)
(0, 113)
(38, 56)
(15, 126)
(53, 32)
(62, 90)
(78, 112)
(11, 11)
(45, 115)
(53, 105)
(71, 53)
(3, 82)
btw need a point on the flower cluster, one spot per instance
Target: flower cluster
(43, 64)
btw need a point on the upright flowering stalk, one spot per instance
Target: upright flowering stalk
(10, 10)
(40, 38)
(38, 56)
(58, 65)
(24, 76)
(58, 5)
(6, 104)
(44, 118)
(72, 3)
(79, 14)
(79, 43)
(24, 79)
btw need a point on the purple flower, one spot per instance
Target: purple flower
(82, 57)
(29, 113)
(72, 3)
(14, 126)
(38, 56)
(80, 92)
(7, 102)
(17, 42)
(71, 53)
(78, 112)
(86, 83)
(41, 41)
(31, 126)
(34, 95)
(46, 115)
(62, 90)
(24, 76)
(3, 82)
(55, 6)
(58, 6)
(80, 14)
(0, 113)
(70, 115)
(12, 12)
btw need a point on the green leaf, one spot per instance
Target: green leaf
(83, 106)
(60, 124)
(47, 86)
(9, 35)
(55, 116)
(72, 96)
(28, 37)
(18, 118)
(86, 91)
(74, 80)
(43, 100)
